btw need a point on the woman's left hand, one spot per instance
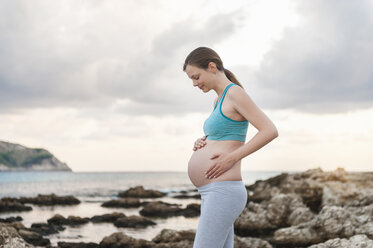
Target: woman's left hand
(224, 161)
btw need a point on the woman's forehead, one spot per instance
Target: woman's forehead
(191, 70)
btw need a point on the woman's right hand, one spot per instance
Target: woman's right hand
(199, 143)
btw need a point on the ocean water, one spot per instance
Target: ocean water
(94, 188)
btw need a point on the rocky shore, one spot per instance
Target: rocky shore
(315, 209)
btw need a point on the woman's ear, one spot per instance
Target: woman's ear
(212, 67)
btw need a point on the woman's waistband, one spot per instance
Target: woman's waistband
(221, 184)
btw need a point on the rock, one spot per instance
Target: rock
(248, 242)
(9, 238)
(280, 211)
(11, 219)
(17, 225)
(58, 219)
(140, 192)
(169, 235)
(8, 204)
(357, 241)
(46, 229)
(33, 237)
(332, 222)
(133, 221)
(128, 202)
(294, 236)
(311, 194)
(121, 240)
(191, 210)
(76, 220)
(346, 194)
(77, 245)
(160, 209)
(112, 217)
(51, 199)
(187, 196)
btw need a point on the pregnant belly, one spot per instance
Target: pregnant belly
(200, 162)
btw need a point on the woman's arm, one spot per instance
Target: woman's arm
(256, 117)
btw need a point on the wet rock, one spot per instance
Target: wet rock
(9, 238)
(163, 209)
(187, 196)
(51, 199)
(33, 238)
(45, 228)
(358, 241)
(11, 219)
(8, 204)
(58, 219)
(112, 217)
(77, 245)
(140, 192)
(191, 210)
(128, 202)
(121, 240)
(133, 221)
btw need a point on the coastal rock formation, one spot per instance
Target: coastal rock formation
(10, 238)
(119, 239)
(121, 220)
(128, 202)
(163, 209)
(140, 192)
(77, 245)
(134, 221)
(17, 204)
(33, 237)
(45, 228)
(280, 211)
(332, 222)
(8, 204)
(107, 217)
(358, 241)
(11, 219)
(58, 219)
(51, 199)
(309, 208)
(15, 157)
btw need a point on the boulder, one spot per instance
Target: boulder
(140, 192)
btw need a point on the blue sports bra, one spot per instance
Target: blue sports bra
(220, 127)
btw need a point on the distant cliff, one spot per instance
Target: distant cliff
(15, 157)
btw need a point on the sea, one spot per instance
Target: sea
(94, 188)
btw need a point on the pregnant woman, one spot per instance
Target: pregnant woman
(215, 166)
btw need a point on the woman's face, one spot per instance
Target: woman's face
(201, 78)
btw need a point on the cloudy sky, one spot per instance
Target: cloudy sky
(100, 83)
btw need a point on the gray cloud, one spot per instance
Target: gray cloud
(324, 65)
(89, 54)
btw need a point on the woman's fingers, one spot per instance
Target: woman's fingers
(199, 143)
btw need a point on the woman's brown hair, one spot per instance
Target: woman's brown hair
(202, 56)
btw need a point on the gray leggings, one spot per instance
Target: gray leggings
(222, 202)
